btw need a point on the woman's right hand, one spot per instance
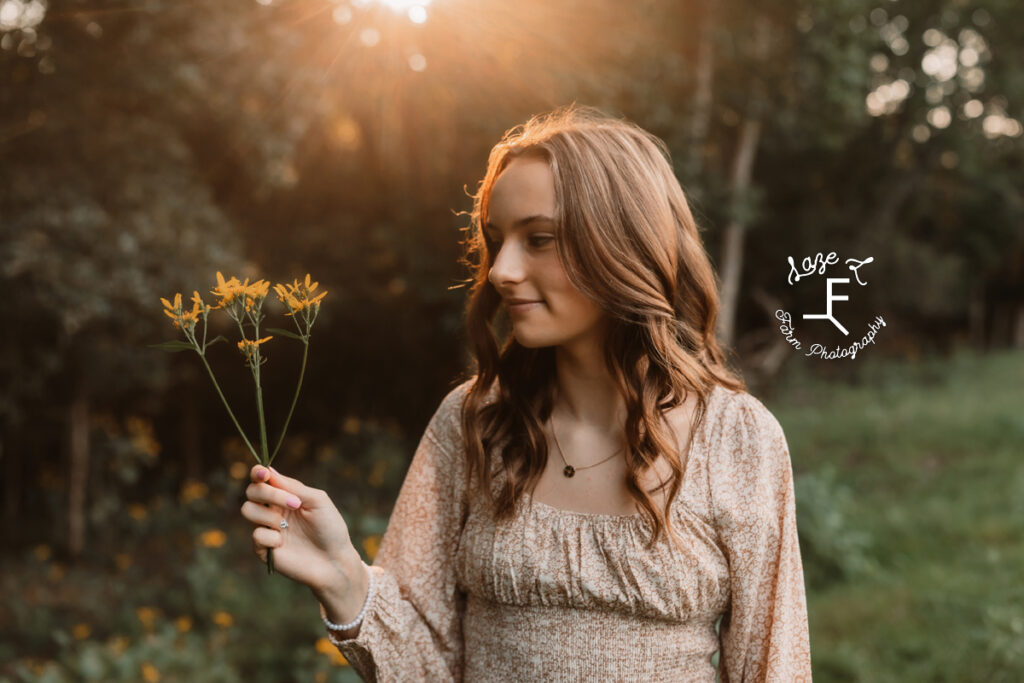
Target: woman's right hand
(315, 549)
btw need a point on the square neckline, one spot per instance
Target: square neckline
(553, 511)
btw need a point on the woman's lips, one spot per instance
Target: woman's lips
(524, 307)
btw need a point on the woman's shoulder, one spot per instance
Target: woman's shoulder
(736, 413)
(446, 423)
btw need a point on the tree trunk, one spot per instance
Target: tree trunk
(700, 121)
(78, 471)
(734, 235)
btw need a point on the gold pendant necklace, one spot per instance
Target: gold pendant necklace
(569, 470)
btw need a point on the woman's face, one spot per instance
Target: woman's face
(521, 231)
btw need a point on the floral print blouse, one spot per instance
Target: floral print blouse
(558, 595)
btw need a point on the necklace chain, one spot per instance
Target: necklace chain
(569, 470)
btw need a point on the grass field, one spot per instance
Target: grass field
(910, 493)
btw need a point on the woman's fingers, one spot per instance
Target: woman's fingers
(309, 497)
(265, 493)
(257, 514)
(268, 538)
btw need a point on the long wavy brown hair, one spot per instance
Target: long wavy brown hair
(627, 240)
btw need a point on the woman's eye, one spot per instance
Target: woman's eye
(540, 240)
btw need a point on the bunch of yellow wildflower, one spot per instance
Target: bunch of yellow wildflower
(243, 302)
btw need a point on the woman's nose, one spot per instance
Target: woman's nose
(508, 264)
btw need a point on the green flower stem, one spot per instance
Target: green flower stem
(225, 401)
(259, 407)
(295, 399)
(256, 358)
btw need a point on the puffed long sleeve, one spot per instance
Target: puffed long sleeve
(764, 633)
(412, 630)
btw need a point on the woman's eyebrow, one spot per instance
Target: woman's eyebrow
(537, 218)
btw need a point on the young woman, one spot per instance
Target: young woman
(590, 503)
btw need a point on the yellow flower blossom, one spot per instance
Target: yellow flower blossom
(123, 561)
(258, 289)
(228, 290)
(150, 673)
(183, 318)
(232, 290)
(249, 343)
(137, 511)
(214, 538)
(42, 552)
(172, 306)
(249, 350)
(183, 624)
(81, 631)
(326, 647)
(298, 296)
(223, 619)
(197, 302)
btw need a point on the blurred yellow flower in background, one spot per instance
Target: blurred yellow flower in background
(193, 490)
(223, 619)
(183, 624)
(143, 437)
(351, 425)
(81, 631)
(325, 646)
(42, 552)
(371, 544)
(137, 511)
(213, 538)
(147, 616)
(239, 470)
(150, 673)
(123, 561)
(118, 644)
(376, 476)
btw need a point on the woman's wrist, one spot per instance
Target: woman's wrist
(344, 597)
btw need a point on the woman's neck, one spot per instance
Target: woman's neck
(586, 392)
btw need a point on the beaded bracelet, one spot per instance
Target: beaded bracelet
(355, 622)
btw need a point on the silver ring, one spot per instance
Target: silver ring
(284, 524)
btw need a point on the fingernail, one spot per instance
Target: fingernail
(293, 503)
(261, 475)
